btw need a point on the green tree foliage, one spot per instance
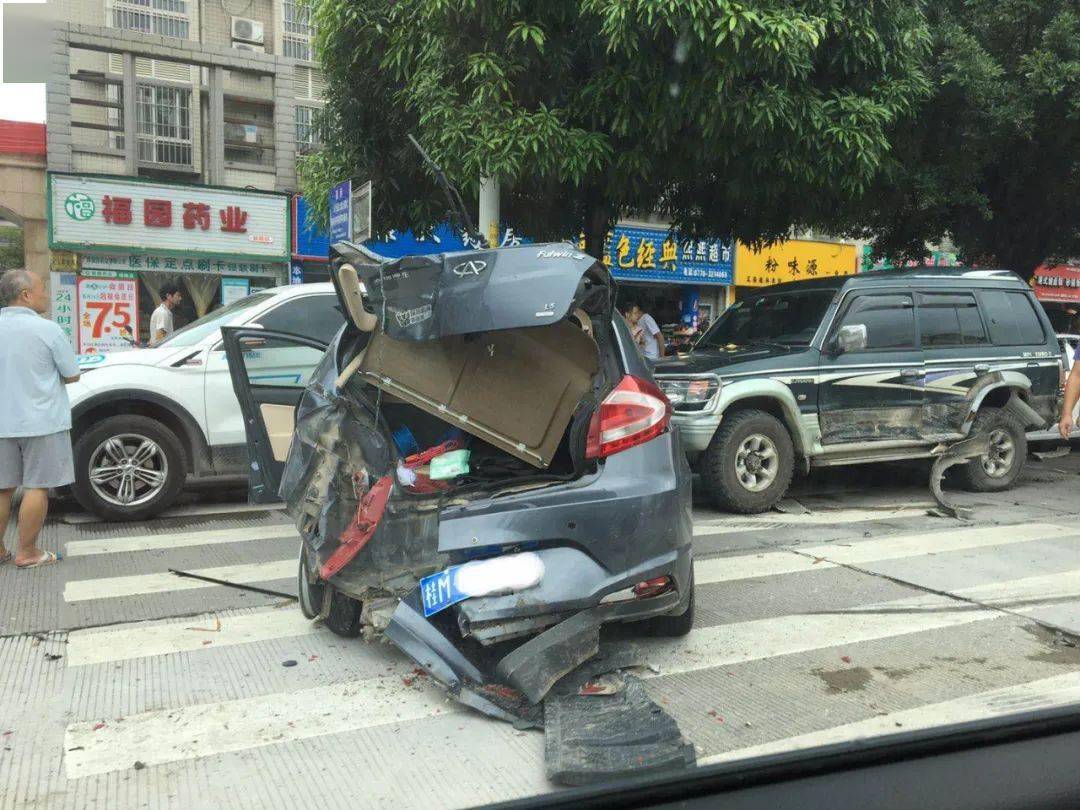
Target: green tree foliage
(737, 118)
(992, 158)
(11, 247)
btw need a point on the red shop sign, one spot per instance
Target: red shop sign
(1059, 282)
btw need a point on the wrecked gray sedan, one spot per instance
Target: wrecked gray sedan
(480, 466)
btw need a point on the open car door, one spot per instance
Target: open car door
(269, 372)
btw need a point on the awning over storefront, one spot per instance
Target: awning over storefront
(1059, 282)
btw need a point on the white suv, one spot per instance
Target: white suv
(146, 421)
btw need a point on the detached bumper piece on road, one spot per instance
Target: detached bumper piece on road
(495, 572)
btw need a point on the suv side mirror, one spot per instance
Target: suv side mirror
(851, 338)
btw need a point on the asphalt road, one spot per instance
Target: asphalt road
(124, 686)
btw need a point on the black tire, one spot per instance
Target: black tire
(975, 476)
(671, 626)
(344, 616)
(170, 460)
(308, 595)
(718, 468)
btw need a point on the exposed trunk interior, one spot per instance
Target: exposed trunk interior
(515, 388)
(524, 397)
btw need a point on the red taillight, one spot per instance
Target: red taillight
(635, 412)
(652, 587)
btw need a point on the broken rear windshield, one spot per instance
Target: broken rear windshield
(789, 319)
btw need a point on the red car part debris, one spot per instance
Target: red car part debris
(425, 456)
(354, 538)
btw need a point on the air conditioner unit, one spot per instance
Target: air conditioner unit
(249, 46)
(245, 30)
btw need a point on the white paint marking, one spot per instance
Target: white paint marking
(150, 542)
(772, 520)
(817, 558)
(195, 510)
(752, 566)
(727, 644)
(111, 587)
(191, 732)
(912, 545)
(1060, 690)
(208, 632)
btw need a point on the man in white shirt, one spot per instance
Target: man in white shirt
(161, 322)
(647, 334)
(36, 360)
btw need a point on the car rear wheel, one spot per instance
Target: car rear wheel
(344, 616)
(749, 463)
(128, 467)
(309, 595)
(998, 469)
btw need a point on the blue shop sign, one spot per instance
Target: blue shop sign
(651, 254)
(341, 212)
(442, 239)
(308, 241)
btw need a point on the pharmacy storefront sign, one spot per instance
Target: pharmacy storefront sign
(98, 213)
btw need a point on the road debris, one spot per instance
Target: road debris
(579, 732)
(949, 456)
(226, 583)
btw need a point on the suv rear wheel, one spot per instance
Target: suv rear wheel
(128, 467)
(749, 463)
(999, 468)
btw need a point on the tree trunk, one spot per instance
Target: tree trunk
(597, 224)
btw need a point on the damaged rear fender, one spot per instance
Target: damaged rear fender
(1012, 390)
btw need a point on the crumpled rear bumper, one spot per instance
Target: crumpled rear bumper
(532, 667)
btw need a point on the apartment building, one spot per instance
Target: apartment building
(214, 91)
(173, 131)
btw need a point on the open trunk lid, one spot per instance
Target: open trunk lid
(447, 294)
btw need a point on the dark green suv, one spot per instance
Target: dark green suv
(873, 367)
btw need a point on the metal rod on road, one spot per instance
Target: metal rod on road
(237, 585)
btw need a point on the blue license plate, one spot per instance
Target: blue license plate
(439, 591)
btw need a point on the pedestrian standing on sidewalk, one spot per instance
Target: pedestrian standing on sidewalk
(161, 321)
(36, 361)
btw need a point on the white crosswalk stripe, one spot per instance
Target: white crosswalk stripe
(1041, 694)
(180, 512)
(143, 640)
(774, 520)
(811, 558)
(713, 570)
(137, 584)
(191, 732)
(169, 540)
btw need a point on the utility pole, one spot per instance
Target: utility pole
(488, 221)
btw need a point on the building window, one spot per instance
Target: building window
(115, 116)
(163, 119)
(307, 136)
(296, 41)
(249, 133)
(166, 18)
